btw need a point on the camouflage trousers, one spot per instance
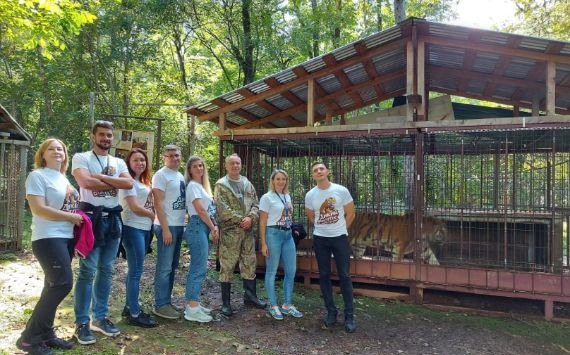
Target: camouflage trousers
(237, 245)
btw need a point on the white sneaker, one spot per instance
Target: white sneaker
(196, 315)
(205, 310)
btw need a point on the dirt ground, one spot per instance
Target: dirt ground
(384, 327)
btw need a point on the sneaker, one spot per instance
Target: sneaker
(292, 311)
(205, 310)
(36, 349)
(275, 313)
(196, 316)
(177, 308)
(126, 312)
(84, 335)
(166, 311)
(58, 343)
(143, 320)
(106, 327)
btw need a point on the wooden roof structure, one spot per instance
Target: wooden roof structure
(412, 59)
(9, 126)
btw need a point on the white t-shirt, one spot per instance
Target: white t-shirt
(272, 204)
(328, 206)
(195, 190)
(114, 166)
(52, 186)
(171, 182)
(144, 198)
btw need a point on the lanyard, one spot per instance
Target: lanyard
(99, 161)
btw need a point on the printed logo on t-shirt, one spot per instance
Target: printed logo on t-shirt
(71, 200)
(328, 214)
(106, 193)
(180, 202)
(148, 203)
(109, 170)
(284, 220)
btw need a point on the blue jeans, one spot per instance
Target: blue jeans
(281, 246)
(167, 260)
(340, 249)
(135, 242)
(95, 278)
(197, 240)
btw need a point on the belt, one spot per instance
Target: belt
(280, 228)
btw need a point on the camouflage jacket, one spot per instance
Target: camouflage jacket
(229, 210)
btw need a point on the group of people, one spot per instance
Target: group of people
(119, 202)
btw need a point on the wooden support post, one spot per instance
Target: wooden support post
(222, 122)
(310, 103)
(342, 120)
(410, 77)
(516, 111)
(158, 148)
(328, 118)
(550, 88)
(422, 109)
(535, 106)
(548, 309)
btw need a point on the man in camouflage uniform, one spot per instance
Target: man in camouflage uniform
(237, 208)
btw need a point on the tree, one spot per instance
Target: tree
(545, 18)
(41, 24)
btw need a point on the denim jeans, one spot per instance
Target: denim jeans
(167, 260)
(281, 246)
(54, 256)
(95, 278)
(197, 240)
(135, 242)
(340, 249)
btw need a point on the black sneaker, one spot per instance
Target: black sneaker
(84, 335)
(143, 320)
(36, 349)
(58, 343)
(126, 312)
(105, 326)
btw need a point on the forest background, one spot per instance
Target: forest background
(151, 57)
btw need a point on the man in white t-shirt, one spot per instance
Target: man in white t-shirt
(99, 176)
(169, 192)
(330, 208)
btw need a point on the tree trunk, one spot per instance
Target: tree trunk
(315, 30)
(248, 64)
(399, 10)
(379, 15)
(336, 34)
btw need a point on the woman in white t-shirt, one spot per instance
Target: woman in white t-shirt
(137, 215)
(275, 220)
(53, 202)
(199, 204)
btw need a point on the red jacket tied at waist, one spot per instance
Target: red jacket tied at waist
(83, 236)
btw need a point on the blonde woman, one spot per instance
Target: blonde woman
(53, 201)
(275, 220)
(200, 223)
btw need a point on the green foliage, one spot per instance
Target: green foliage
(547, 18)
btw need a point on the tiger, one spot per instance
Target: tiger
(327, 206)
(394, 234)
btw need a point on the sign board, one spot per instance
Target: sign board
(125, 140)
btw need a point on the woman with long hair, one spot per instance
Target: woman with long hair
(275, 221)
(53, 202)
(199, 204)
(137, 215)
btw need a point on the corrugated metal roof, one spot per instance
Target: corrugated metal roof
(460, 61)
(9, 125)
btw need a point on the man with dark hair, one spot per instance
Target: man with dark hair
(238, 210)
(169, 192)
(330, 208)
(99, 176)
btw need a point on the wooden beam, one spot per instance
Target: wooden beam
(501, 65)
(421, 73)
(299, 81)
(516, 111)
(535, 106)
(550, 88)
(410, 72)
(7, 125)
(379, 99)
(534, 73)
(328, 118)
(561, 111)
(311, 102)
(521, 53)
(222, 122)
(289, 111)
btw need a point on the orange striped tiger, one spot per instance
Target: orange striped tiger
(394, 234)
